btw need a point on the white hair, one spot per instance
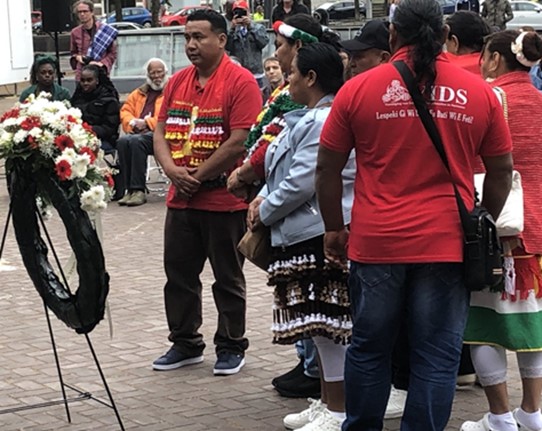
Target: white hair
(147, 64)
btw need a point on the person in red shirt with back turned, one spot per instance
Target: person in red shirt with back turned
(466, 39)
(206, 113)
(405, 241)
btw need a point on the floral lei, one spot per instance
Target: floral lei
(270, 122)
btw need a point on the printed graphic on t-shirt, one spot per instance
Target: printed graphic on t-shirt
(447, 103)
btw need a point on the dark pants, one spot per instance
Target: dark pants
(436, 303)
(192, 236)
(133, 151)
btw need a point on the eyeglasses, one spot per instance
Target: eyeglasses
(83, 11)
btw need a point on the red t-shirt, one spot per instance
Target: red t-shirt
(242, 102)
(470, 62)
(404, 206)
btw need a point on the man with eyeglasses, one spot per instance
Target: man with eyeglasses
(92, 42)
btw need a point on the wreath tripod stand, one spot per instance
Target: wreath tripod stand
(81, 395)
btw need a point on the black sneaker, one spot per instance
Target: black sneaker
(228, 363)
(292, 374)
(174, 359)
(299, 387)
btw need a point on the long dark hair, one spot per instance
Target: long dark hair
(326, 62)
(100, 73)
(419, 24)
(501, 42)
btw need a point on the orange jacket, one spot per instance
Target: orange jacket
(134, 105)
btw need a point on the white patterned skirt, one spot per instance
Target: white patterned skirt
(310, 296)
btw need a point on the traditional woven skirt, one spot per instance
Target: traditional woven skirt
(511, 319)
(310, 296)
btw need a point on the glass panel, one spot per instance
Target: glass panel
(136, 48)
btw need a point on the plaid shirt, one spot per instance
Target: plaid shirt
(104, 37)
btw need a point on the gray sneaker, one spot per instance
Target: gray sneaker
(124, 200)
(136, 198)
(228, 363)
(174, 359)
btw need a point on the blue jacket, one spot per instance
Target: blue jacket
(536, 76)
(247, 46)
(290, 207)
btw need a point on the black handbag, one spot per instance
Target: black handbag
(482, 251)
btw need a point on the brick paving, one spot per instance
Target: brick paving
(187, 399)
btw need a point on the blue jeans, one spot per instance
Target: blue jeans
(432, 301)
(307, 350)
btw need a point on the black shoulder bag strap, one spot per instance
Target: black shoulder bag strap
(432, 131)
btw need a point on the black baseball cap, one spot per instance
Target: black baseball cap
(374, 34)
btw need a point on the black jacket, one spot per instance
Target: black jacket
(279, 14)
(100, 110)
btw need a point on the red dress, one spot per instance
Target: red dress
(525, 123)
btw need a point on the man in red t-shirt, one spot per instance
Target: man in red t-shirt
(466, 39)
(206, 113)
(405, 240)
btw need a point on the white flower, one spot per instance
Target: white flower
(10, 122)
(74, 112)
(44, 209)
(6, 139)
(93, 199)
(35, 132)
(80, 166)
(56, 119)
(79, 136)
(70, 155)
(20, 136)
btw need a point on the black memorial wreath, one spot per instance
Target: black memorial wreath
(84, 309)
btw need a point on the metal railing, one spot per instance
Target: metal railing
(135, 47)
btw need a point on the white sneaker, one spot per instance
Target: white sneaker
(324, 421)
(520, 426)
(396, 404)
(481, 425)
(297, 420)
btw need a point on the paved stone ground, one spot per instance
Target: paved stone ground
(187, 399)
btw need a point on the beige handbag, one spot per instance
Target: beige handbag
(510, 221)
(256, 246)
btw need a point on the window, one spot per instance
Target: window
(526, 7)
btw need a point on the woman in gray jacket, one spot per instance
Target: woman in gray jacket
(310, 295)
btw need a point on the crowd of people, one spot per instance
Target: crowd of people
(339, 174)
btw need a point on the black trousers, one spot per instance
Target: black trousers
(133, 151)
(192, 237)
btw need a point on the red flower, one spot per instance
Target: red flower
(63, 142)
(12, 113)
(32, 142)
(109, 180)
(63, 170)
(88, 127)
(87, 150)
(30, 122)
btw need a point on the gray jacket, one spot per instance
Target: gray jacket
(497, 13)
(290, 207)
(248, 47)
